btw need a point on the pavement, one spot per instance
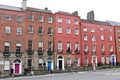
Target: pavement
(105, 74)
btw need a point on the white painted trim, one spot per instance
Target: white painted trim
(20, 66)
(63, 68)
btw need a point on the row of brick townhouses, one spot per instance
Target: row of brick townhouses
(37, 39)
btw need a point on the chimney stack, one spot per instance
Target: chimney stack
(24, 4)
(90, 16)
(75, 13)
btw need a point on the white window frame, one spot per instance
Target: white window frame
(69, 62)
(59, 29)
(40, 18)
(31, 17)
(19, 18)
(85, 29)
(6, 65)
(30, 29)
(77, 61)
(51, 31)
(59, 20)
(102, 37)
(40, 44)
(77, 46)
(92, 29)
(103, 60)
(60, 46)
(68, 21)
(50, 19)
(110, 38)
(7, 29)
(85, 37)
(8, 17)
(76, 31)
(76, 22)
(68, 31)
(69, 45)
(19, 30)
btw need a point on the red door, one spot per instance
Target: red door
(16, 68)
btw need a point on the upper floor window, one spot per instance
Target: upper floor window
(92, 29)
(119, 48)
(30, 17)
(18, 47)
(19, 30)
(119, 38)
(85, 37)
(85, 29)
(68, 31)
(59, 29)
(76, 22)
(8, 17)
(93, 38)
(40, 18)
(68, 21)
(118, 30)
(60, 19)
(7, 47)
(110, 29)
(68, 46)
(101, 29)
(111, 48)
(49, 46)
(7, 30)
(59, 46)
(30, 44)
(85, 47)
(40, 30)
(50, 19)
(19, 18)
(102, 37)
(110, 38)
(40, 45)
(30, 29)
(49, 31)
(102, 47)
(77, 46)
(76, 31)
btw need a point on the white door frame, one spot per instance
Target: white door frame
(94, 57)
(62, 62)
(20, 66)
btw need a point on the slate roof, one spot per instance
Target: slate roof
(10, 8)
(20, 9)
(113, 23)
(39, 10)
(96, 22)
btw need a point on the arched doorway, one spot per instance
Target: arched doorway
(60, 63)
(49, 63)
(113, 59)
(94, 60)
(17, 66)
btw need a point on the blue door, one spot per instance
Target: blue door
(49, 65)
(113, 60)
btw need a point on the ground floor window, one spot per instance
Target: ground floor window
(40, 62)
(69, 62)
(77, 62)
(29, 62)
(6, 65)
(103, 60)
(107, 60)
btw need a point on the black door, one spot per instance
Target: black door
(60, 64)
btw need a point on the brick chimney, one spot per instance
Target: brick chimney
(24, 4)
(90, 16)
